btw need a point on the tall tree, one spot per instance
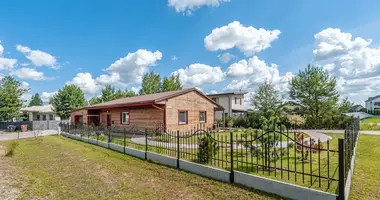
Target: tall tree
(35, 100)
(266, 98)
(108, 93)
(345, 105)
(316, 90)
(172, 83)
(69, 98)
(95, 100)
(151, 83)
(10, 98)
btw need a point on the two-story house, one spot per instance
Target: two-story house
(232, 102)
(373, 103)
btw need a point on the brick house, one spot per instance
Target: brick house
(175, 110)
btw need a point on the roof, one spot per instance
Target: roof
(148, 98)
(40, 109)
(372, 98)
(227, 93)
(357, 106)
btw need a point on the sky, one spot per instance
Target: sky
(214, 45)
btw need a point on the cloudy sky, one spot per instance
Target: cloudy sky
(215, 45)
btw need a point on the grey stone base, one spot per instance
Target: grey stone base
(165, 160)
(281, 188)
(214, 173)
(117, 147)
(135, 152)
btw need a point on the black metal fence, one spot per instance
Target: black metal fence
(277, 152)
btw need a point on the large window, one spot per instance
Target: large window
(44, 117)
(182, 117)
(377, 104)
(51, 117)
(202, 116)
(216, 99)
(125, 117)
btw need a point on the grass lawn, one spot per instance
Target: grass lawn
(366, 179)
(54, 167)
(370, 123)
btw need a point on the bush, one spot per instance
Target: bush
(207, 149)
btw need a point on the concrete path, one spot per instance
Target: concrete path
(319, 133)
(29, 134)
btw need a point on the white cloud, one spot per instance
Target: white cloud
(6, 63)
(188, 6)
(24, 64)
(38, 58)
(105, 79)
(30, 74)
(249, 74)
(132, 67)
(1, 48)
(213, 92)
(198, 74)
(248, 40)
(226, 57)
(85, 82)
(174, 58)
(136, 90)
(25, 85)
(46, 96)
(352, 60)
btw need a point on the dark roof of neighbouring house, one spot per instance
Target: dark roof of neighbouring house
(148, 98)
(356, 106)
(227, 93)
(372, 98)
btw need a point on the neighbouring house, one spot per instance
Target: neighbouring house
(357, 108)
(175, 110)
(373, 103)
(41, 117)
(232, 102)
(40, 113)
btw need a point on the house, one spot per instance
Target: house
(41, 117)
(40, 113)
(175, 110)
(232, 102)
(373, 103)
(357, 108)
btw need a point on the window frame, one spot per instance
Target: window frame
(202, 111)
(122, 120)
(179, 117)
(51, 117)
(235, 100)
(44, 118)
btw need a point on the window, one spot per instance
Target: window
(125, 117)
(44, 117)
(240, 101)
(51, 117)
(235, 100)
(377, 104)
(182, 117)
(215, 99)
(202, 116)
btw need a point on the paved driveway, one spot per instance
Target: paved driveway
(29, 134)
(319, 133)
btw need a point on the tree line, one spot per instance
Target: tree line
(312, 93)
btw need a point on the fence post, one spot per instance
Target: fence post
(178, 149)
(124, 141)
(232, 157)
(146, 143)
(109, 137)
(341, 194)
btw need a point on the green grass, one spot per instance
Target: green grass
(366, 179)
(54, 167)
(370, 123)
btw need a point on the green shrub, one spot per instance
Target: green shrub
(207, 149)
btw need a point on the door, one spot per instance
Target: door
(108, 120)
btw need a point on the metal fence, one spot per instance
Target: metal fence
(277, 151)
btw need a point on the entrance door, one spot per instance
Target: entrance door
(108, 120)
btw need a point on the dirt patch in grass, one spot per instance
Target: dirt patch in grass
(61, 168)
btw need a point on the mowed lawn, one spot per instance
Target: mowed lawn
(366, 179)
(55, 167)
(370, 123)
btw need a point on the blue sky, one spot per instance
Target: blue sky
(49, 44)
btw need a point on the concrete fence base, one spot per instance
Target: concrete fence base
(283, 189)
(280, 188)
(350, 172)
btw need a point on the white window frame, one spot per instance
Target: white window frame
(122, 118)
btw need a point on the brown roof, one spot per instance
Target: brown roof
(149, 98)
